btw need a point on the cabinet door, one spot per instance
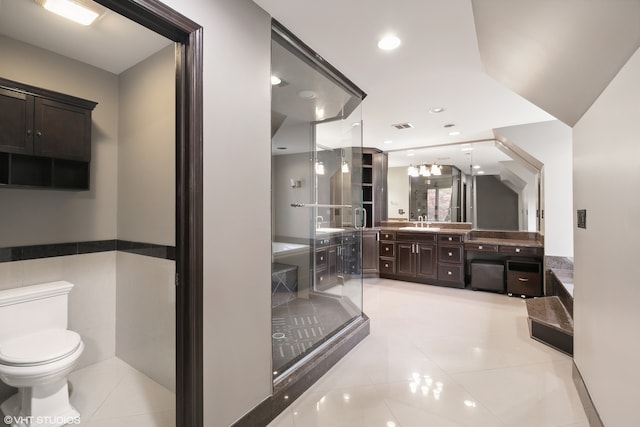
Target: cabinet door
(16, 122)
(369, 252)
(426, 261)
(405, 260)
(332, 264)
(62, 131)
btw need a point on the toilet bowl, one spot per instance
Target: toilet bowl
(36, 354)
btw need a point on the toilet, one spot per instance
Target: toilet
(37, 352)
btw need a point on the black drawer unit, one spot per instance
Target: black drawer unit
(524, 278)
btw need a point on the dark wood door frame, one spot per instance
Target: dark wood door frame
(189, 38)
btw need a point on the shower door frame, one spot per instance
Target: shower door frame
(188, 37)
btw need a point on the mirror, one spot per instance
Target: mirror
(487, 183)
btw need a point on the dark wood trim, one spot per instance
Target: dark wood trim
(189, 230)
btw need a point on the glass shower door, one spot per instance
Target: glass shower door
(316, 282)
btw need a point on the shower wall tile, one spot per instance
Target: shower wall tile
(145, 309)
(92, 303)
(10, 275)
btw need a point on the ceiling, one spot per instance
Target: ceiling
(471, 57)
(477, 59)
(100, 44)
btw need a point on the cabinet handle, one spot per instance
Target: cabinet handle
(449, 273)
(450, 253)
(517, 250)
(386, 265)
(39, 133)
(523, 279)
(450, 238)
(480, 247)
(29, 132)
(321, 258)
(386, 249)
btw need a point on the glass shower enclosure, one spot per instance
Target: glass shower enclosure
(317, 214)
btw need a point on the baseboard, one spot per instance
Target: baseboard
(585, 398)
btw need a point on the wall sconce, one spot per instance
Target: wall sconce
(295, 183)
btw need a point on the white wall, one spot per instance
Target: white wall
(607, 296)
(145, 334)
(237, 205)
(146, 150)
(550, 143)
(32, 217)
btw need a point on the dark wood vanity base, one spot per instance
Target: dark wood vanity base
(505, 262)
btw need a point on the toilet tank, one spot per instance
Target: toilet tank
(33, 308)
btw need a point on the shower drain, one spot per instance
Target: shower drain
(278, 336)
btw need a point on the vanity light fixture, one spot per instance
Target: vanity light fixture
(424, 170)
(83, 12)
(389, 42)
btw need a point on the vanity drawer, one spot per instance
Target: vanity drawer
(418, 236)
(451, 272)
(449, 238)
(480, 247)
(387, 266)
(451, 254)
(387, 235)
(520, 250)
(387, 249)
(321, 258)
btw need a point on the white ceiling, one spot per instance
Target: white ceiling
(437, 65)
(112, 43)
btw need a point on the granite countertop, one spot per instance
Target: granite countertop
(505, 242)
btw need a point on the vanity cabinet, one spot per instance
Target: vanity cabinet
(370, 253)
(411, 255)
(45, 137)
(334, 258)
(451, 259)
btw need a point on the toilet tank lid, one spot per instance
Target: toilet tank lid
(39, 347)
(34, 292)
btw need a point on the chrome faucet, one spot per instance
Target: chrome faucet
(421, 220)
(319, 221)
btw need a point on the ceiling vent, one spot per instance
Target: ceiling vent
(402, 125)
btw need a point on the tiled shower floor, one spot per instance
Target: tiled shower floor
(112, 393)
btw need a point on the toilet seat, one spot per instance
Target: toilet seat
(39, 348)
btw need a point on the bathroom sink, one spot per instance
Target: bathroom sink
(329, 230)
(414, 228)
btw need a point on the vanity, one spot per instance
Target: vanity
(454, 255)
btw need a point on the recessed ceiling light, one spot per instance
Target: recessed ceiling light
(389, 42)
(476, 166)
(480, 172)
(436, 110)
(307, 94)
(388, 141)
(275, 80)
(79, 11)
(454, 133)
(410, 154)
(448, 125)
(355, 124)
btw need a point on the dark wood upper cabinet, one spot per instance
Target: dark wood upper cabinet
(45, 137)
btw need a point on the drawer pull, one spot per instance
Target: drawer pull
(450, 238)
(386, 249)
(386, 265)
(449, 273)
(321, 258)
(480, 247)
(523, 279)
(517, 250)
(450, 254)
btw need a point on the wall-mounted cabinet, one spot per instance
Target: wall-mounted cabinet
(45, 138)
(374, 185)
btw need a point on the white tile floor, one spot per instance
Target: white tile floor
(112, 393)
(442, 357)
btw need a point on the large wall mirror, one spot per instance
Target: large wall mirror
(489, 184)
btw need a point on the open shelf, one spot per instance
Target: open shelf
(22, 171)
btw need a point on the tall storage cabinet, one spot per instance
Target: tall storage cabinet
(374, 201)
